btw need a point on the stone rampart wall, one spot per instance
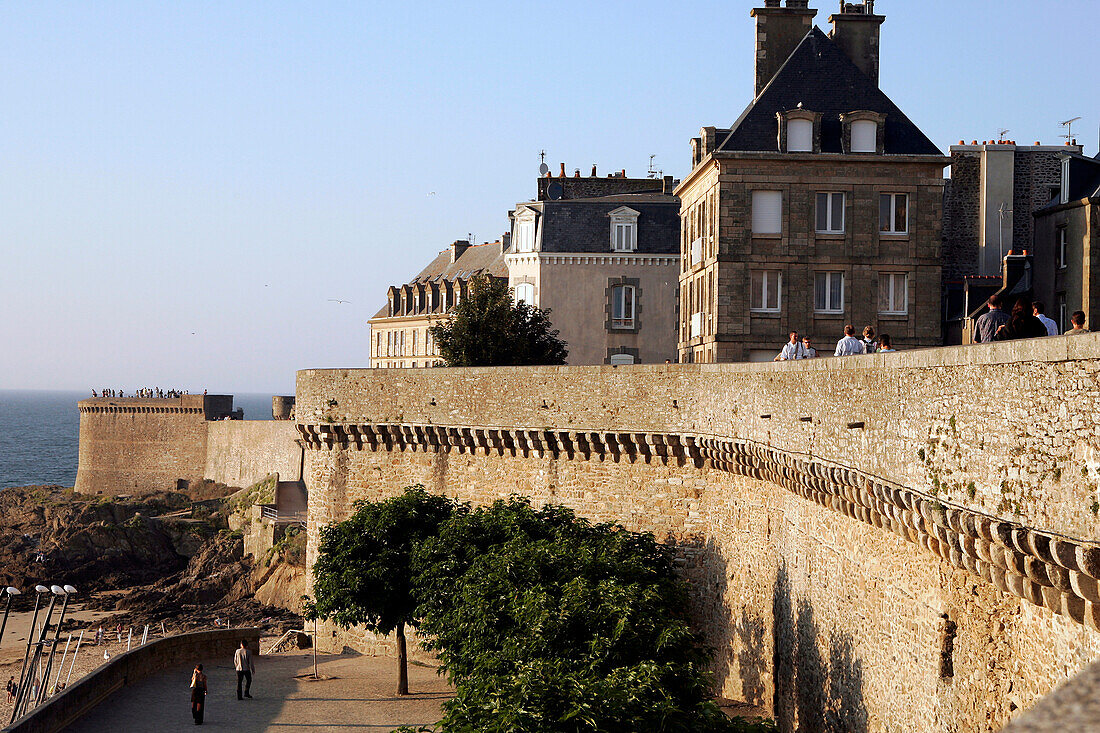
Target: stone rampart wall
(241, 452)
(886, 540)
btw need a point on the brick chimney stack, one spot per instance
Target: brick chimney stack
(778, 31)
(459, 246)
(856, 31)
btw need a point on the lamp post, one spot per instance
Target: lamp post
(67, 591)
(39, 590)
(12, 593)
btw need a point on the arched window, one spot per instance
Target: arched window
(525, 293)
(622, 359)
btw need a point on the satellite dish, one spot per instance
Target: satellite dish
(554, 191)
(543, 169)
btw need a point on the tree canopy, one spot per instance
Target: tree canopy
(363, 573)
(487, 328)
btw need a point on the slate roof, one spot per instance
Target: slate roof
(478, 259)
(583, 225)
(822, 77)
(1084, 180)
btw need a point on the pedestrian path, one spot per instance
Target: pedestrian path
(359, 697)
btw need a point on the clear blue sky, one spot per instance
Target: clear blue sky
(183, 185)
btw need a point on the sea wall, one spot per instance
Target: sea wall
(241, 452)
(889, 542)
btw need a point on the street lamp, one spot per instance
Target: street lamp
(39, 590)
(12, 593)
(67, 591)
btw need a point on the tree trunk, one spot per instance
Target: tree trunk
(402, 661)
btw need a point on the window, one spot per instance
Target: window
(697, 251)
(864, 137)
(622, 306)
(800, 136)
(829, 292)
(1060, 255)
(830, 213)
(525, 293)
(767, 209)
(697, 324)
(767, 287)
(621, 359)
(1063, 313)
(524, 237)
(893, 293)
(893, 213)
(1063, 193)
(624, 229)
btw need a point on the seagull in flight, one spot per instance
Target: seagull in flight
(337, 300)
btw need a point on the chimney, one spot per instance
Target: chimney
(460, 246)
(505, 241)
(562, 174)
(856, 32)
(778, 32)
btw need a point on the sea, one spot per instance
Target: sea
(39, 434)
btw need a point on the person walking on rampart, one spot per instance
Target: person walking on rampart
(1077, 320)
(11, 690)
(792, 350)
(1037, 309)
(849, 345)
(884, 344)
(870, 346)
(987, 324)
(242, 662)
(1022, 324)
(198, 694)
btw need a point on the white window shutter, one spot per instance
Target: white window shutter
(800, 136)
(864, 137)
(767, 208)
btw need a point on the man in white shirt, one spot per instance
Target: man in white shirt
(242, 662)
(1037, 308)
(792, 350)
(849, 345)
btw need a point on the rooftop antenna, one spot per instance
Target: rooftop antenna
(543, 168)
(652, 171)
(1068, 124)
(1001, 135)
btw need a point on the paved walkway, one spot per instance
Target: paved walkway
(359, 697)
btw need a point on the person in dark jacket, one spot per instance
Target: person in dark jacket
(1022, 324)
(198, 694)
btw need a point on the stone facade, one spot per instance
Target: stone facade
(717, 209)
(881, 540)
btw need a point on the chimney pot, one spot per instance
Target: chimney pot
(593, 170)
(562, 174)
(856, 29)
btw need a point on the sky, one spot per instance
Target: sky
(186, 188)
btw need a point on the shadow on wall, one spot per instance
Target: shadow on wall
(812, 694)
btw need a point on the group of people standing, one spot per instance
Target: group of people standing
(242, 663)
(1027, 320)
(796, 349)
(144, 392)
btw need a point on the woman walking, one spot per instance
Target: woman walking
(198, 694)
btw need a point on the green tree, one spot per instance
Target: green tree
(363, 569)
(487, 328)
(545, 622)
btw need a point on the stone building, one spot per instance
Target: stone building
(601, 254)
(820, 206)
(994, 189)
(1067, 242)
(399, 331)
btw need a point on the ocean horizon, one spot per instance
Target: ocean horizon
(40, 433)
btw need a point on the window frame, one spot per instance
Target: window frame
(1061, 246)
(624, 219)
(829, 212)
(1063, 184)
(894, 214)
(829, 276)
(622, 360)
(861, 124)
(523, 239)
(892, 297)
(800, 123)
(526, 287)
(762, 307)
(618, 293)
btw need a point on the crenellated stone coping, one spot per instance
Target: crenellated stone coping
(1048, 570)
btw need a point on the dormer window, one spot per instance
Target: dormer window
(799, 131)
(862, 132)
(864, 137)
(523, 238)
(1063, 193)
(624, 229)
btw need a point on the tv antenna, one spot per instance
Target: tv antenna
(1001, 134)
(1068, 124)
(652, 171)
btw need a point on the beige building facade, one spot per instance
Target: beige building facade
(400, 335)
(820, 207)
